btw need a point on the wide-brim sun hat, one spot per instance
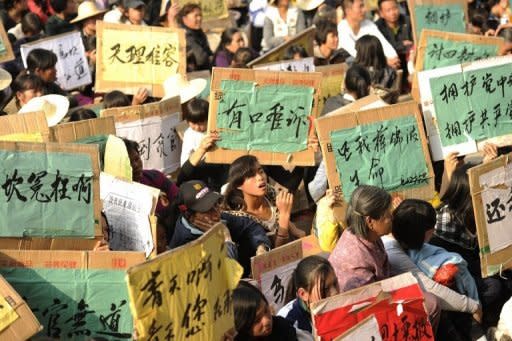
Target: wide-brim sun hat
(55, 107)
(5, 79)
(87, 9)
(308, 5)
(178, 85)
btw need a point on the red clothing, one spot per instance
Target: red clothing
(35, 7)
(357, 261)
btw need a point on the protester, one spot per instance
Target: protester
(41, 8)
(134, 13)
(25, 87)
(371, 56)
(326, 51)
(231, 41)
(282, 21)
(12, 13)
(59, 22)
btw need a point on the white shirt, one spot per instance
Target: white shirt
(281, 27)
(113, 16)
(191, 141)
(347, 38)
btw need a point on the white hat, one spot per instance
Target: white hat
(55, 107)
(87, 9)
(177, 85)
(5, 79)
(308, 5)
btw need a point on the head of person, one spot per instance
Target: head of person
(413, 223)
(88, 13)
(327, 34)
(42, 63)
(253, 317)
(295, 52)
(231, 40)
(325, 13)
(389, 11)
(199, 204)
(458, 197)
(506, 34)
(313, 280)
(190, 16)
(355, 10)
(31, 25)
(25, 87)
(369, 52)
(369, 212)
(115, 99)
(195, 112)
(81, 115)
(135, 10)
(66, 7)
(242, 57)
(358, 81)
(133, 148)
(246, 177)
(18, 6)
(279, 3)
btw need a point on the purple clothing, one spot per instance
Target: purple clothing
(157, 179)
(223, 58)
(358, 262)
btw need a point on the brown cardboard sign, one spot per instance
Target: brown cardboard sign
(73, 131)
(377, 147)
(130, 57)
(6, 54)
(27, 127)
(255, 80)
(491, 188)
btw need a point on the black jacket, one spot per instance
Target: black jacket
(396, 40)
(199, 54)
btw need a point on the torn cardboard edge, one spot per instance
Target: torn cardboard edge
(73, 131)
(29, 123)
(261, 77)
(155, 89)
(9, 54)
(491, 263)
(138, 112)
(348, 120)
(331, 73)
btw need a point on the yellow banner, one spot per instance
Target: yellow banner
(23, 137)
(185, 293)
(7, 314)
(213, 9)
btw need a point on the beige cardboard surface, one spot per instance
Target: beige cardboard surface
(30, 123)
(311, 79)
(138, 112)
(9, 54)
(72, 131)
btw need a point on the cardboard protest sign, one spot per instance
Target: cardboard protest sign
(72, 65)
(128, 206)
(491, 192)
(30, 127)
(367, 329)
(6, 53)
(304, 39)
(17, 322)
(437, 49)
(73, 131)
(396, 303)
(130, 57)
(480, 91)
(296, 65)
(384, 147)
(185, 292)
(153, 126)
(263, 113)
(29, 243)
(76, 295)
(215, 12)
(441, 15)
(61, 180)
(333, 81)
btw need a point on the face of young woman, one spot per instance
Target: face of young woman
(194, 19)
(27, 95)
(262, 325)
(330, 288)
(236, 42)
(331, 41)
(257, 184)
(47, 75)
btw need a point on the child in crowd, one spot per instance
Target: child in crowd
(253, 317)
(313, 279)
(25, 87)
(196, 114)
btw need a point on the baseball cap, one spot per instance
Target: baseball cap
(134, 3)
(197, 197)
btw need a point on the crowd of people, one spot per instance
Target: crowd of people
(381, 236)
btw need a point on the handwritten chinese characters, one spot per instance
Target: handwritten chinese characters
(35, 182)
(185, 294)
(474, 104)
(270, 118)
(72, 66)
(447, 18)
(497, 205)
(374, 154)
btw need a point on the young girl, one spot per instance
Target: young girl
(313, 279)
(371, 56)
(253, 318)
(248, 194)
(25, 87)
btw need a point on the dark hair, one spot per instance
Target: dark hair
(506, 34)
(9, 4)
(41, 59)
(247, 300)
(131, 146)
(458, 197)
(293, 50)
(310, 271)
(358, 81)
(186, 10)
(59, 6)
(226, 38)
(25, 82)
(81, 115)
(90, 42)
(323, 28)
(196, 110)
(366, 201)
(242, 56)
(411, 221)
(241, 169)
(370, 55)
(115, 99)
(379, 3)
(346, 4)
(325, 13)
(31, 24)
